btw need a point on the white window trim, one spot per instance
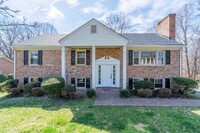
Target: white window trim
(77, 57)
(150, 64)
(29, 58)
(163, 84)
(77, 83)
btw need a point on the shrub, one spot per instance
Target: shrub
(124, 93)
(4, 77)
(143, 84)
(185, 83)
(145, 93)
(6, 85)
(91, 93)
(37, 91)
(14, 91)
(53, 85)
(164, 93)
(27, 87)
(68, 91)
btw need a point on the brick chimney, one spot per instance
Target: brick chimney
(167, 26)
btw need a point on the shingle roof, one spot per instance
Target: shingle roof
(149, 39)
(43, 40)
(135, 39)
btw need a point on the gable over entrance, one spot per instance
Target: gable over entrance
(94, 33)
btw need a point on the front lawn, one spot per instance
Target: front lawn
(26, 114)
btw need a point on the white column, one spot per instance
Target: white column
(181, 61)
(14, 64)
(64, 62)
(93, 65)
(124, 68)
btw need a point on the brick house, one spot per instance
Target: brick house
(6, 66)
(95, 56)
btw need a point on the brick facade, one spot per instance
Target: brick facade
(52, 66)
(167, 71)
(6, 66)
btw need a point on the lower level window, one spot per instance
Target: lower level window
(158, 83)
(80, 82)
(34, 79)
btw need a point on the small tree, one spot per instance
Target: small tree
(185, 83)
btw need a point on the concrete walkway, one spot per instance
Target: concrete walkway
(111, 97)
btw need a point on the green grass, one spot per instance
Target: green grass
(49, 115)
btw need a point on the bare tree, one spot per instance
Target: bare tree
(16, 33)
(185, 32)
(5, 11)
(119, 22)
(152, 29)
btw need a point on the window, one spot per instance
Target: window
(136, 57)
(158, 83)
(114, 73)
(81, 57)
(160, 57)
(80, 82)
(33, 79)
(34, 57)
(93, 29)
(148, 58)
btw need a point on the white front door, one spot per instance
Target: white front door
(107, 72)
(106, 75)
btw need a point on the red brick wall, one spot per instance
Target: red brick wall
(171, 70)
(51, 65)
(6, 66)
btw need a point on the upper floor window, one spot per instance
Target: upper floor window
(33, 57)
(93, 29)
(148, 57)
(81, 57)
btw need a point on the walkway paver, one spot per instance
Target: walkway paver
(111, 97)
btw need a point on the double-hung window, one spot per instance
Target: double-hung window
(160, 57)
(80, 82)
(81, 57)
(34, 57)
(158, 83)
(136, 57)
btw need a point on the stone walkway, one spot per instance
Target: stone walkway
(111, 97)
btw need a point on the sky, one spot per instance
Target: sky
(67, 15)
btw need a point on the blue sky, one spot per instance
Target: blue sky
(67, 15)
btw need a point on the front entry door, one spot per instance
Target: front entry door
(107, 75)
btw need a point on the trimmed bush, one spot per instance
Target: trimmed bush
(4, 77)
(68, 91)
(14, 91)
(124, 93)
(143, 84)
(27, 87)
(91, 93)
(185, 83)
(147, 93)
(6, 85)
(53, 85)
(37, 91)
(164, 93)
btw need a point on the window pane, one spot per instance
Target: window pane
(160, 57)
(136, 60)
(81, 57)
(136, 54)
(148, 58)
(80, 82)
(34, 57)
(93, 28)
(158, 83)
